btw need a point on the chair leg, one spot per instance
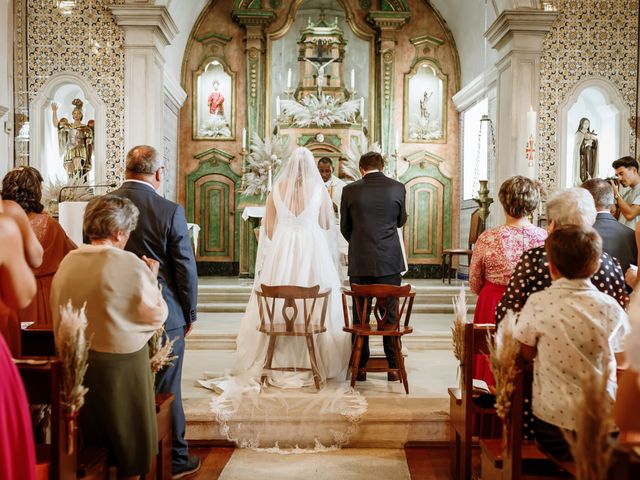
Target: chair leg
(351, 358)
(356, 360)
(450, 268)
(313, 362)
(400, 362)
(444, 266)
(269, 358)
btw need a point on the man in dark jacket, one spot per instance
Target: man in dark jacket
(618, 240)
(371, 211)
(162, 234)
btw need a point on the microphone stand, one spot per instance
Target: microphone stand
(74, 187)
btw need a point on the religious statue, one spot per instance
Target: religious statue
(585, 152)
(320, 72)
(424, 110)
(216, 100)
(75, 141)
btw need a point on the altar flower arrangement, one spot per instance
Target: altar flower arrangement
(216, 126)
(73, 351)
(590, 447)
(503, 353)
(322, 111)
(160, 351)
(264, 154)
(351, 167)
(51, 192)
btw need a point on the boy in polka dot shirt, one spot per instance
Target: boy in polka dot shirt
(569, 329)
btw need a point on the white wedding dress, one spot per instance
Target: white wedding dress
(297, 246)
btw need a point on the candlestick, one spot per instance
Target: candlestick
(278, 106)
(353, 79)
(244, 139)
(289, 80)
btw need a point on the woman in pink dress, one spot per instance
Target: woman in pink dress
(24, 186)
(17, 287)
(498, 250)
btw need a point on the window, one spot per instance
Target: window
(474, 148)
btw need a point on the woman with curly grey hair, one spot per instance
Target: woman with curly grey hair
(124, 307)
(497, 251)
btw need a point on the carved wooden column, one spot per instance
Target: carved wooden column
(387, 23)
(517, 35)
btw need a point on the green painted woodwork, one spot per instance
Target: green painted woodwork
(334, 140)
(429, 196)
(247, 4)
(394, 6)
(210, 202)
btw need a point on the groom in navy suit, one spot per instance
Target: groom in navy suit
(371, 211)
(162, 234)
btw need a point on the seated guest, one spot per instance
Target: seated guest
(497, 251)
(24, 186)
(32, 253)
(570, 328)
(17, 288)
(572, 206)
(618, 240)
(124, 306)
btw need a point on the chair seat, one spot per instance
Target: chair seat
(280, 329)
(368, 331)
(457, 251)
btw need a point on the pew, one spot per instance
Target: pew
(463, 410)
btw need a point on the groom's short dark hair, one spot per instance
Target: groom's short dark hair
(371, 161)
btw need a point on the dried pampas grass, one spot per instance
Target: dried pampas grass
(457, 331)
(73, 350)
(160, 351)
(592, 410)
(503, 355)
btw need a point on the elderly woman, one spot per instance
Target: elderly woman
(24, 186)
(124, 306)
(497, 251)
(573, 206)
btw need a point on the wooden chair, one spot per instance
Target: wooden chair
(375, 298)
(161, 468)
(463, 410)
(296, 318)
(38, 341)
(476, 227)
(521, 457)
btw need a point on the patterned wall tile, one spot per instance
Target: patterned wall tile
(583, 44)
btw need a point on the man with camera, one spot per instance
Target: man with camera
(627, 202)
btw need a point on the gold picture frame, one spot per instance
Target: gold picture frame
(425, 103)
(214, 101)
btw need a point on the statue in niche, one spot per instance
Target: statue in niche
(75, 141)
(216, 100)
(585, 152)
(424, 110)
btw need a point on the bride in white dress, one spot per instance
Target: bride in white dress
(298, 246)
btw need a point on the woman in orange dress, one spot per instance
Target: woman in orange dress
(24, 186)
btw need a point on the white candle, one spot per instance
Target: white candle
(362, 107)
(353, 79)
(278, 106)
(531, 134)
(269, 185)
(531, 123)
(244, 139)
(289, 80)
(397, 141)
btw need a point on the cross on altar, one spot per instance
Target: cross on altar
(530, 150)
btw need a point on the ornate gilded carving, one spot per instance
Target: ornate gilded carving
(394, 6)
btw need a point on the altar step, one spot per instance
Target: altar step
(233, 298)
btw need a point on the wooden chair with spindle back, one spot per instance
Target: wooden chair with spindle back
(476, 227)
(290, 311)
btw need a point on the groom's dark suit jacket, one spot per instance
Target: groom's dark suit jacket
(618, 240)
(371, 211)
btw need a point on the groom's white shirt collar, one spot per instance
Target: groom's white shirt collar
(370, 171)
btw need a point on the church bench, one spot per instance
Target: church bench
(463, 410)
(161, 468)
(37, 341)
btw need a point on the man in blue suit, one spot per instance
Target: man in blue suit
(162, 234)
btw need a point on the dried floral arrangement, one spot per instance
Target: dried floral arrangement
(73, 351)
(592, 410)
(51, 192)
(270, 152)
(160, 351)
(457, 331)
(352, 167)
(420, 128)
(322, 111)
(503, 354)
(215, 127)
